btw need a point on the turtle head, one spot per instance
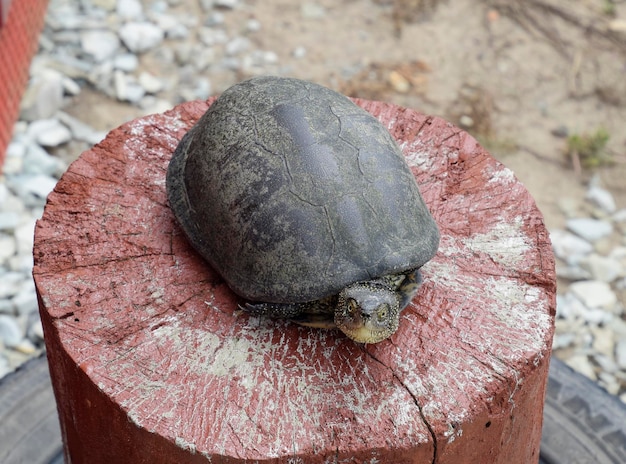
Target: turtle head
(367, 313)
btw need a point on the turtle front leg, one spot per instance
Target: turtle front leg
(318, 314)
(409, 287)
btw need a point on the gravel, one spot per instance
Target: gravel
(112, 46)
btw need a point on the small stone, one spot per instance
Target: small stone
(299, 52)
(127, 88)
(620, 216)
(309, 10)
(602, 268)
(140, 37)
(39, 185)
(150, 83)
(126, 62)
(560, 132)
(25, 234)
(253, 25)
(25, 346)
(100, 44)
(572, 272)
(25, 302)
(594, 294)
(43, 97)
(590, 229)
(36, 331)
(603, 340)
(620, 354)
(210, 37)
(5, 367)
(580, 363)
(39, 161)
(9, 220)
(216, 18)
(605, 362)
(10, 332)
(602, 198)
(129, 9)
(8, 247)
(609, 382)
(569, 206)
(70, 86)
(80, 130)
(563, 340)
(566, 245)
(398, 82)
(237, 45)
(49, 132)
(226, 4)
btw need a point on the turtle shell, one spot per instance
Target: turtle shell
(292, 192)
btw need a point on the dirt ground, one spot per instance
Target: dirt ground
(520, 75)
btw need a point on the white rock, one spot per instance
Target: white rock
(572, 272)
(310, 10)
(8, 247)
(590, 229)
(43, 97)
(127, 88)
(49, 132)
(150, 83)
(9, 220)
(129, 9)
(620, 216)
(620, 353)
(10, 284)
(100, 44)
(603, 340)
(80, 130)
(25, 235)
(11, 333)
(563, 340)
(25, 302)
(237, 45)
(253, 25)
(609, 382)
(566, 245)
(594, 294)
(580, 363)
(32, 189)
(140, 37)
(127, 62)
(299, 52)
(36, 331)
(602, 198)
(605, 362)
(21, 263)
(39, 161)
(70, 86)
(229, 4)
(602, 268)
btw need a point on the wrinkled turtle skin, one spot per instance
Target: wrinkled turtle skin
(305, 205)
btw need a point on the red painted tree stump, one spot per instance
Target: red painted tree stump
(151, 365)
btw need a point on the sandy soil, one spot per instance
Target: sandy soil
(511, 71)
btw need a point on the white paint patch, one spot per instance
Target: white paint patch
(505, 243)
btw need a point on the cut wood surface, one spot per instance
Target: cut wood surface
(151, 362)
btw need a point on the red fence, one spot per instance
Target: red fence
(21, 22)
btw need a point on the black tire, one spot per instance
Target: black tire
(582, 423)
(29, 424)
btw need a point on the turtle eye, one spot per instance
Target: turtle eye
(382, 312)
(353, 306)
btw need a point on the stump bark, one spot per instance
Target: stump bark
(151, 363)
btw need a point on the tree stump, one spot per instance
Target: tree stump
(151, 363)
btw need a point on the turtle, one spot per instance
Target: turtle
(303, 202)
